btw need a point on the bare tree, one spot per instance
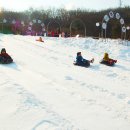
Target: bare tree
(120, 3)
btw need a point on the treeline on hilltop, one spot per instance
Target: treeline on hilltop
(56, 18)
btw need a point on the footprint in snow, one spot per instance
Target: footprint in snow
(121, 96)
(68, 78)
(45, 125)
(112, 75)
(128, 102)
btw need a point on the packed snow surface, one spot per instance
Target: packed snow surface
(43, 90)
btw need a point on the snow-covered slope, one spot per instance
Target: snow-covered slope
(43, 90)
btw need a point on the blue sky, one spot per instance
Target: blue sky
(20, 5)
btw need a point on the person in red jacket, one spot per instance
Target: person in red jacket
(5, 58)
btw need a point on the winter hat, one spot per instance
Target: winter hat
(78, 53)
(3, 50)
(105, 54)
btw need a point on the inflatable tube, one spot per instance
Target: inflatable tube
(107, 63)
(6, 61)
(87, 64)
(39, 41)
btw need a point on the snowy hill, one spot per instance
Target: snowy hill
(43, 90)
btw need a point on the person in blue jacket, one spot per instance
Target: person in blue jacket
(81, 61)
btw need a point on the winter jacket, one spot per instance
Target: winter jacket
(80, 60)
(106, 57)
(5, 55)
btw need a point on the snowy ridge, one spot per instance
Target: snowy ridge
(43, 90)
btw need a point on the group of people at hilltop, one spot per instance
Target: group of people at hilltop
(57, 34)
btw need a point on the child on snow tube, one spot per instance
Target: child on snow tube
(81, 61)
(108, 61)
(4, 57)
(40, 39)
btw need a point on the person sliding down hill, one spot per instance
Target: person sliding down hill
(4, 57)
(81, 61)
(40, 39)
(108, 61)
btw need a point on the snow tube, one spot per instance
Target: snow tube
(39, 41)
(87, 64)
(108, 63)
(6, 61)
